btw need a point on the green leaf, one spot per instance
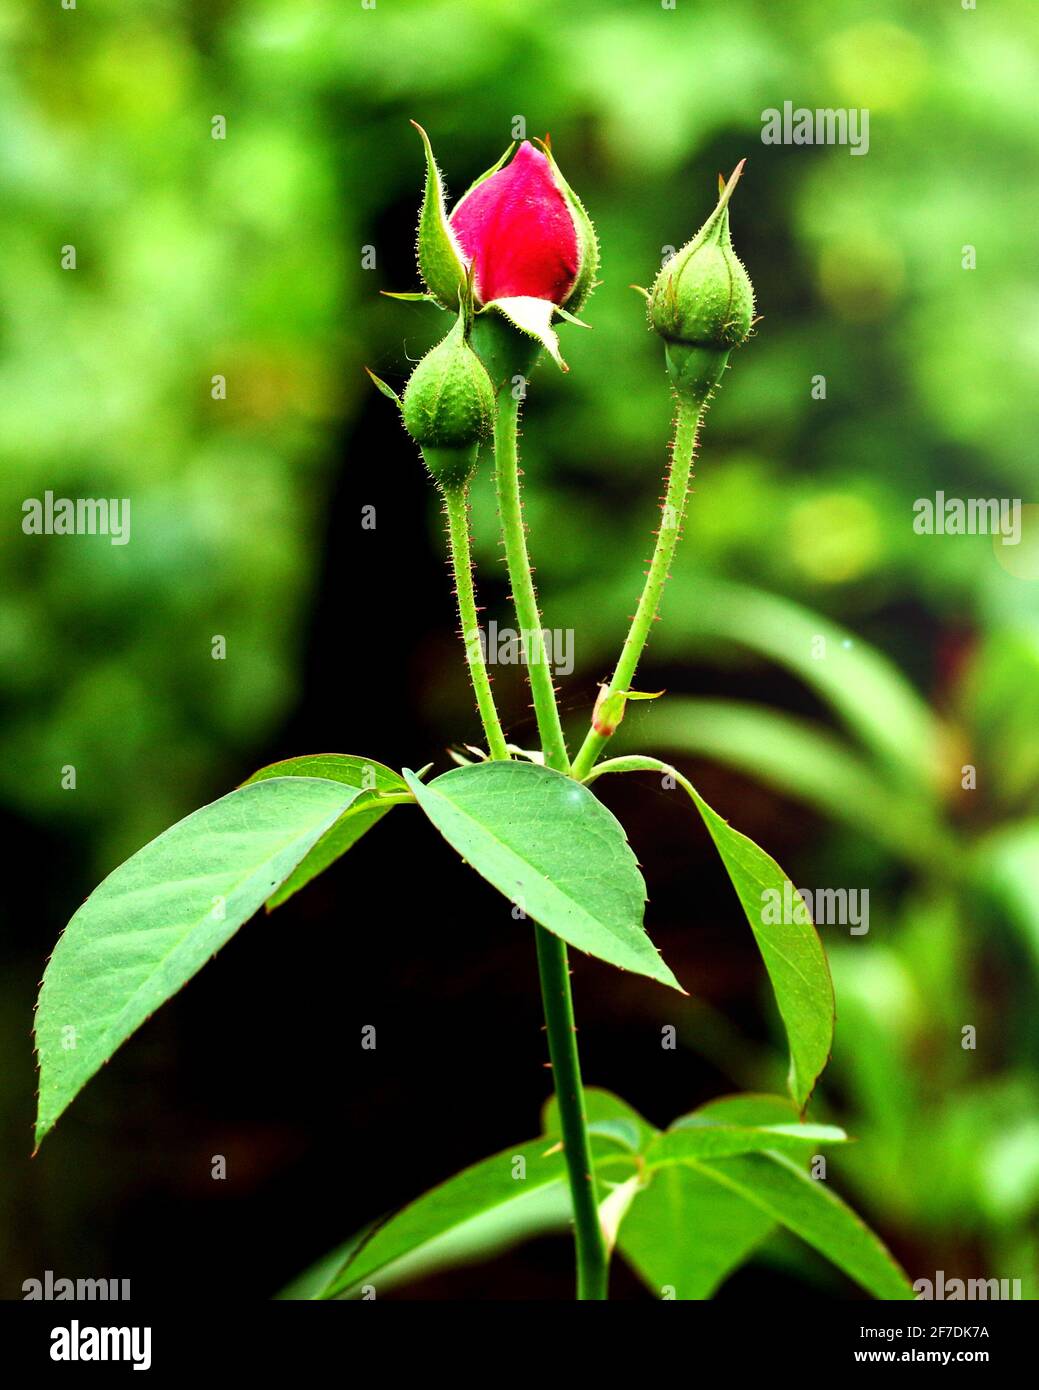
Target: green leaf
(439, 261)
(367, 777)
(741, 1108)
(516, 1194)
(708, 1140)
(684, 1234)
(608, 1116)
(698, 1219)
(318, 1280)
(806, 1206)
(550, 846)
(792, 952)
(159, 917)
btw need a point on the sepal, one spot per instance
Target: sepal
(532, 317)
(387, 391)
(587, 241)
(440, 262)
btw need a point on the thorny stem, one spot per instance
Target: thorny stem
(456, 505)
(672, 513)
(553, 968)
(518, 560)
(554, 973)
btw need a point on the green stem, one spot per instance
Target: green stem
(523, 596)
(672, 513)
(554, 972)
(553, 966)
(457, 507)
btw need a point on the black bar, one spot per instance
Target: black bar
(804, 1336)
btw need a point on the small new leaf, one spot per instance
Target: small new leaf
(387, 391)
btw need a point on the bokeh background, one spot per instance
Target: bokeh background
(829, 672)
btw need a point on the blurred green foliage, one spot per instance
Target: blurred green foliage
(243, 258)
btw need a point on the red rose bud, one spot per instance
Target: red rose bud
(702, 304)
(517, 229)
(524, 235)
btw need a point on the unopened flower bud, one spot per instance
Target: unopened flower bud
(525, 233)
(702, 304)
(611, 705)
(448, 407)
(522, 236)
(608, 711)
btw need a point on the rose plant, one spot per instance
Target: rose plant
(685, 1206)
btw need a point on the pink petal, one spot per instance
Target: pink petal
(517, 227)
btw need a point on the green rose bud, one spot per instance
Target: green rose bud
(702, 304)
(448, 407)
(448, 404)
